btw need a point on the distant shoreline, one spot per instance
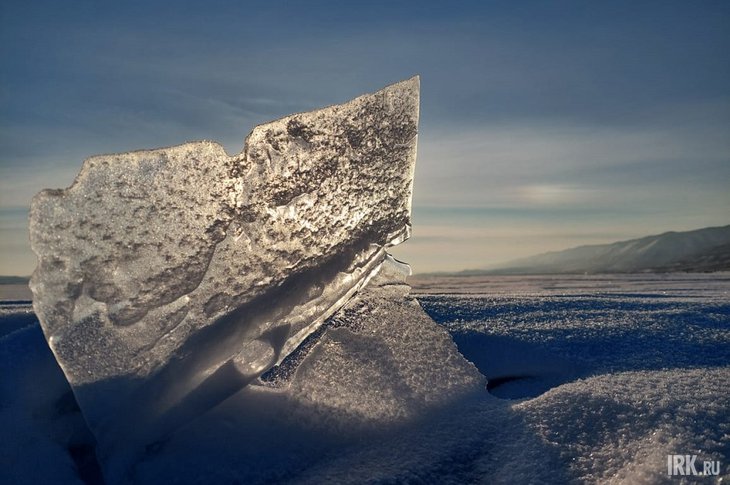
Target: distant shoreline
(431, 282)
(477, 273)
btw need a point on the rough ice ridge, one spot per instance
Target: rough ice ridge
(169, 279)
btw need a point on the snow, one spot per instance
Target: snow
(620, 427)
(640, 365)
(38, 429)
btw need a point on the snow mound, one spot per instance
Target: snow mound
(39, 425)
(627, 423)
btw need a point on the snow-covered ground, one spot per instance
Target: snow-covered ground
(592, 379)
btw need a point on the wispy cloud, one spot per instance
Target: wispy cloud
(551, 165)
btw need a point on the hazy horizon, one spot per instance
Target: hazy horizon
(543, 126)
(397, 250)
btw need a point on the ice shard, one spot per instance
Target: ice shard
(169, 279)
(378, 371)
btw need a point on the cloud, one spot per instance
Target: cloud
(537, 165)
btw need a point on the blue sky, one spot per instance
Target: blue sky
(544, 125)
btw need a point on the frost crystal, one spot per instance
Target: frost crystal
(169, 279)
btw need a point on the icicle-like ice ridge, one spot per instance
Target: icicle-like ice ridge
(168, 279)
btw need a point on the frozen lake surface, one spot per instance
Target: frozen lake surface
(592, 379)
(584, 325)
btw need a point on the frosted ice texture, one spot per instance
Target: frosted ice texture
(169, 279)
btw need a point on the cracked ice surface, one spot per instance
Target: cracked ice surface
(169, 279)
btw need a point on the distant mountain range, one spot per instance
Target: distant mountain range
(14, 280)
(692, 251)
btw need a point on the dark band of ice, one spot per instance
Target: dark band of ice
(168, 279)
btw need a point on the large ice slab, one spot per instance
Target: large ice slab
(169, 279)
